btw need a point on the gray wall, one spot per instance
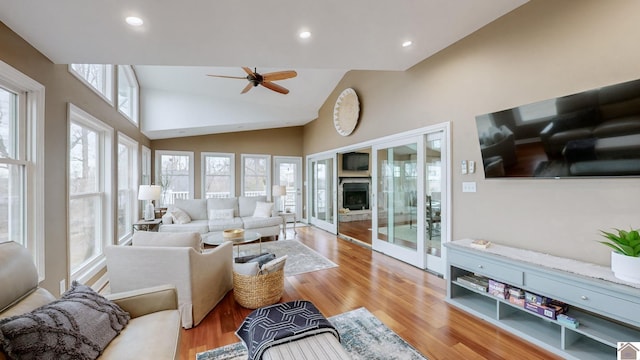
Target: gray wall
(542, 50)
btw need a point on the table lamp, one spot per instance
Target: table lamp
(149, 193)
(280, 191)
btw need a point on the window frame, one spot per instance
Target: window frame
(105, 192)
(126, 72)
(268, 181)
(158, 173)
(31, 139)
(232, 171)
(145, 166)
(132, 181)
(107, 93)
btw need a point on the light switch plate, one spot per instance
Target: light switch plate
(469, 186)
(463, 168)
(472, 166)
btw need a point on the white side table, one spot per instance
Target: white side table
(286, 218)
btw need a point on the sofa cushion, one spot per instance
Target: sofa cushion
(224, 203)
(195, 208)
(79, 325)
(200, 226)
(617, 127)
(224, 214)
(224, 224)
(166, 239)
(179, 216)
(263, 209)
(152, 336)
(259, 222)
(247, 204)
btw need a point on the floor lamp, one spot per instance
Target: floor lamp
(149, 193)
(280, 191)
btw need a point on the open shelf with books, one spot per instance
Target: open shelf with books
(481, 283)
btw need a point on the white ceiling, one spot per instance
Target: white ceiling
(182, 41)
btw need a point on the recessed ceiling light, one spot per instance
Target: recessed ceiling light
(407, 43)
(134, 21)
(304, 35)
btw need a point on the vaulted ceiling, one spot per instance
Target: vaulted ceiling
(180, 42)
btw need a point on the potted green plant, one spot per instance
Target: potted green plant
(625, 257)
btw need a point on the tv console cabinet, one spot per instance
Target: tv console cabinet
(607, 309)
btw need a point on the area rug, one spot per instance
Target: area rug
(362, 335)
(300, 258)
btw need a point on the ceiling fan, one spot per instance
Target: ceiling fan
(265, 80)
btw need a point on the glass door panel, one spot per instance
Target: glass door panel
(434, 204)
(322, 194)
(288, 172)
(398, 215)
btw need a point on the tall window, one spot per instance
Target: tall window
(256, 175)
(127, 186)
(175, 175)
(146, 166)
(99, 77)
(21, 162)
(89, 196)
(128, 90)
(218, 175)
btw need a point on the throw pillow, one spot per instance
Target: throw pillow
(224, 214)
(250, 268)
(263, 209)
(273, 265)
(167, 219)
(179, 216)
(79, 325)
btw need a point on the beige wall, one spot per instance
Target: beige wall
(275, 142)
(60, 88)
(544, 49)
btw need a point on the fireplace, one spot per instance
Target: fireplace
(355, 193)
(355, 196)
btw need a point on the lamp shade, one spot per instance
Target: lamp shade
(149, 192)
(279, 190)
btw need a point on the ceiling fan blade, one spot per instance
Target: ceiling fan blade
(279, 75)
(247, 88)
(229, 77)
(247, 70)
(275, 87)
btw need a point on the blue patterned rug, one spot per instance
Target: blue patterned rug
(362, 335)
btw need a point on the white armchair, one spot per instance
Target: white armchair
(202, 278)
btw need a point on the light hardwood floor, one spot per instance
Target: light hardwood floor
(408, 300)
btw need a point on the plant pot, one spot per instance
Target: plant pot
(625, 268)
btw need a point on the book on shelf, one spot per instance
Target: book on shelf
(480, 244)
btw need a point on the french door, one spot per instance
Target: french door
(322, 197)
(398, 216)
(288, 172)
(410, 218)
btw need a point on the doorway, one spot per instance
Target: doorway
(287, 172)
(355, 195)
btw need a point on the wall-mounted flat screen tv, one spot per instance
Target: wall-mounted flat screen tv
(594, 133)
(355, 161)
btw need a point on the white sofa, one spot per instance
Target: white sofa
(202, 278)
(216, 215)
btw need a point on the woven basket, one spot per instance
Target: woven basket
(256, 291)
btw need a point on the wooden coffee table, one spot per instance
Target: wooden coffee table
(248, 237)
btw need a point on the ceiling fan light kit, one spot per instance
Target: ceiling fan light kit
(265, 80)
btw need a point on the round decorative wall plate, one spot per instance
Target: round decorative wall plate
(346, 112)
